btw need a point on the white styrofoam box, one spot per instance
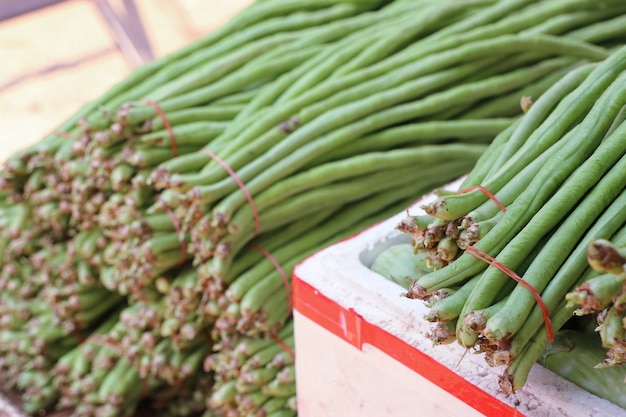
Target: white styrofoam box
(362, 349)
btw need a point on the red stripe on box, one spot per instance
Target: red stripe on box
(350, 326)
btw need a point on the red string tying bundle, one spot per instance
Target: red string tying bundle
(284, 345)
(179, 231)
(479, 254)
(487, 193)
(280, 270)
(242, 186)
(166, 123)
(287, 286)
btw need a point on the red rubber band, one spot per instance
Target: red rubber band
(166, 123)
(285, 346)
(79, 333)
(63, 134)
(179, 231)
(479, 254)
(242, 186)
(280, 270)
(287, 285)
(487, 193)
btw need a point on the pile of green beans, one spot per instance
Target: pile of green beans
(556, 177)
(156, 230)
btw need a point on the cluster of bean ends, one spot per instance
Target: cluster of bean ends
(507, 253)
(604, 297)
(148, 243)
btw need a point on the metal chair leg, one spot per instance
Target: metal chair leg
(128, 31)
(14, 8)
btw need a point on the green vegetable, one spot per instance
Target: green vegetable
(148, 244)
(398, 263)
(574, 355)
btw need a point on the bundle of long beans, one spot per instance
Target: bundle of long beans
(507, 262)
(186, 194)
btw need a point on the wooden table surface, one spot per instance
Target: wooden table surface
(58, 58)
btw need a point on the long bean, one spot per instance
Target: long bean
(194, 133)
(497, 11)
(427, 132)
(572, 23)
(510, 105)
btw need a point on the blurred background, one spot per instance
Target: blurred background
(57, 55)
